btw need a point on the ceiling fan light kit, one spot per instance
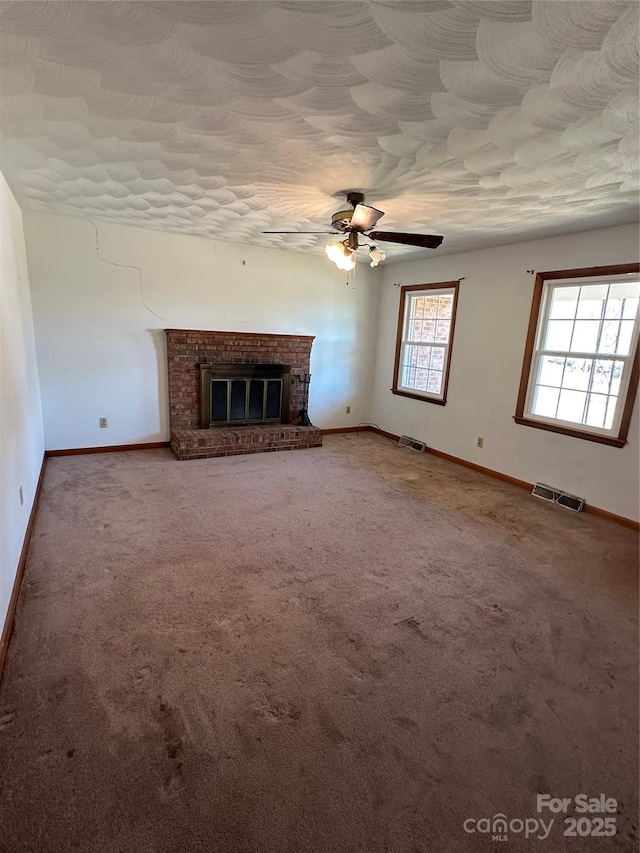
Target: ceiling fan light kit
(359, 221)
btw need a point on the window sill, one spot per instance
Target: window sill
(574, 433)
(418, 397)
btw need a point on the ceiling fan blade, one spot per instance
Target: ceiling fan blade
(365, 217)
(298, 232)
(426, 241)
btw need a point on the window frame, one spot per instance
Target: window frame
(415, 290)
(527, 380)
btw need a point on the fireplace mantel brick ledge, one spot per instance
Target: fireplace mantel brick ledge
(187, 349)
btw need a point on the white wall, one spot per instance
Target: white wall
(492, 320)
(102, 353)
(21, 436)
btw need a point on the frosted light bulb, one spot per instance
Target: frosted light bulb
(376, 256)
(340, 255)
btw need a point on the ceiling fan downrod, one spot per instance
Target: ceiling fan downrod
(355, 198)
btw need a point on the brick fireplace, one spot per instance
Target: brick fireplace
(196, 358)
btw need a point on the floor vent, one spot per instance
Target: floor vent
(413, 443)
(557, 496)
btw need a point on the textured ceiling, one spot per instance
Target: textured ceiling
(488, 122)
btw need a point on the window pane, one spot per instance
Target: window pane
(577, 374)
(585, 336)
(420, 379)
(597, 410)
(564, 303)
(550, 370)
(407, 373)
(592, 300)
(613, 309)
(429, 330)
(630, 308)
(602, 377)
(571, 406)
(442, 331)
(611, 410)
(545, 401)
(431, 306)
(437, 358)
(435, 381)
(616, 375)
(624, 339)
(410, 357)
(558, 336)
(417, 307)
(609, 336)
(424, 356)
(627, 293)
(445, 306)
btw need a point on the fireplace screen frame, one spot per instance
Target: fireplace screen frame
(229, 372)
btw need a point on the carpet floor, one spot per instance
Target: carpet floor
(351, 648)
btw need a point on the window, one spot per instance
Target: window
(425, 334)
(580, 369)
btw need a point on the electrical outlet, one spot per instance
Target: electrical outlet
(348, 410)
(103, 423)
(21, 496)
(480, 441)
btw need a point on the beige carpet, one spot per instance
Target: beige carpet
(352, 648)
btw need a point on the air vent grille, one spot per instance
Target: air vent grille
(413, 443)
(557, 496)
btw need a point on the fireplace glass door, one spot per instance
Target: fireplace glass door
(245, 401)
(237, 394)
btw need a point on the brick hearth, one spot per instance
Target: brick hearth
(187, 349)
(204, 443)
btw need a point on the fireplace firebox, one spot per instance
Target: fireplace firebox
(243, 394)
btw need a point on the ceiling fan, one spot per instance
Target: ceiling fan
(359, 222)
